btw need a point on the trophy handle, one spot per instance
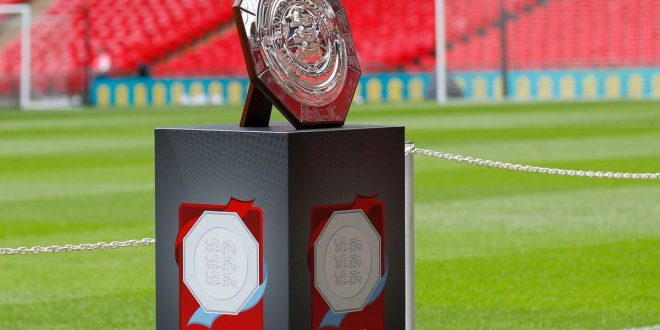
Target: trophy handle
(256, 112)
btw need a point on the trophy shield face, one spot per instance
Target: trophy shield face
(300, 54)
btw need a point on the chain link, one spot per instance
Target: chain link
(80, 247)
(411, 149)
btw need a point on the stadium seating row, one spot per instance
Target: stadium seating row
(596, 34)
(70, 32)
(390, 35)
(195, 37)
(220, 56)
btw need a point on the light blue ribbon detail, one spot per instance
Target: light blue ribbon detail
(333, 320)
(207, 319)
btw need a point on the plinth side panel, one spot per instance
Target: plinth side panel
(334, 167)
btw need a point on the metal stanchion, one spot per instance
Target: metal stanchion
(410, 239)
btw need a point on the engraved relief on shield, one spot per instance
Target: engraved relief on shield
(221, 262)
(347, 261)
(301, 57)
(304, 48)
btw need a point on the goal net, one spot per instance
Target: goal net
(31, 62)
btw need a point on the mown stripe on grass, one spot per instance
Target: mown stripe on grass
(650, 327)
(557, 118)
(598, 286)
(64, 146)
(95, 229)
(558, 148)
(533, 221)
(18, 191)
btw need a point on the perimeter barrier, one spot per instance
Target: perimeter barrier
(410, 151)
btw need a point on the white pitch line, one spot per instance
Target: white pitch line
(650, 327)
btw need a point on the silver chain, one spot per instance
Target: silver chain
(531, 169)
(411, 149)
(81, 247)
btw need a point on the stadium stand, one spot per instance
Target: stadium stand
(382, 47)
(220, 56)
(196, 37)
(67, 35)
(546, 36)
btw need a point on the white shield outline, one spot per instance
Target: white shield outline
(339, 220)
(232, 222)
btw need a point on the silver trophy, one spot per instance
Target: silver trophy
(301, 58)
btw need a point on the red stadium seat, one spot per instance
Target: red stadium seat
(131, 31)
(197, 37)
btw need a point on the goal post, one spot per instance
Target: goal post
(440, 53)
(25, 13)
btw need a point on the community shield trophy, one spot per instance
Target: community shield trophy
(313, 227)
(301, 58)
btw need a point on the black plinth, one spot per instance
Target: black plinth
(287, 173)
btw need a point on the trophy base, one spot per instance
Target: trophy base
(257, 109)
(298, 179)
(259, 106)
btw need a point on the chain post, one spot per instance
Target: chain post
(410, 236)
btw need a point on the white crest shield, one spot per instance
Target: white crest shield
(221, 262)
(347, 261)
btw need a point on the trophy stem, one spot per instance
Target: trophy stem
(256, 112)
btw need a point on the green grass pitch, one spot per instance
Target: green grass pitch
(495, 249)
